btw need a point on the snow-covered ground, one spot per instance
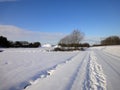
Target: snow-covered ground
(97, 68)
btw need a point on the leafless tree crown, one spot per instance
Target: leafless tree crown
(74, 38)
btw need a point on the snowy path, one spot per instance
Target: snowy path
(63, 77)
(80, 73)
(111, 67)
(97, 68)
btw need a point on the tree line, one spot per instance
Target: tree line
(6, 43)
(75, 45)
(111, 40)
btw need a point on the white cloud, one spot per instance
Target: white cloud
(92, 40)
(14, 33)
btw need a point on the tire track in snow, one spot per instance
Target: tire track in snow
(63, 77)
(75, 74)
(109, 63)
(111, 54)
(95, 79)
(44, 73)
(111, 68)
(114, 57)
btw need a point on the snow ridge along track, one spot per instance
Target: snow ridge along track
(80, 73)
(47, 72)
(95, 79)
(64, 76)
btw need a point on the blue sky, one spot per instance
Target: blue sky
(96, 18)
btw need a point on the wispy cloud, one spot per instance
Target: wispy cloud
(8, 0)
(92, 40)
(14, 33)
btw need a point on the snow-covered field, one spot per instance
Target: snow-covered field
(97, 68)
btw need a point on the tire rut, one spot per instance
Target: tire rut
(108, 62)
(75, 74)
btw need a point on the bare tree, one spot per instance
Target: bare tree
(74, 38)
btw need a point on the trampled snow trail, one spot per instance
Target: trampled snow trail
(80, 73)
(95, 78)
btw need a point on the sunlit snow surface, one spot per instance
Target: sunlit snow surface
(97, 68)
